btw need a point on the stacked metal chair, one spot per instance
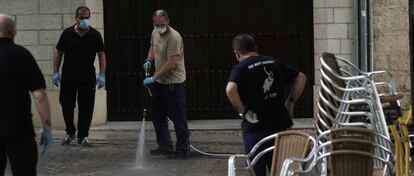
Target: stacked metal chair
(354, 103)
(350, 97)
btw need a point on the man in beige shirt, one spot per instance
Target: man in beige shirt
(168, 87)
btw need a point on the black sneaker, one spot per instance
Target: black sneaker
(161, 151)
(84, 142)
(179, 155)
(68, 139)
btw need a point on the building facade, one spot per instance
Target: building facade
(40, 23)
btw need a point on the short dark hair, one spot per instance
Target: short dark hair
(82, 9)
(244, 43)
(161, 13)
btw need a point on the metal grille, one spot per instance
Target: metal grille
(282, 29)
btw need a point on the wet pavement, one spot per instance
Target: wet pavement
(114, 153)
(115, 145)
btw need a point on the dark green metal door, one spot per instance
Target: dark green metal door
(283, 29)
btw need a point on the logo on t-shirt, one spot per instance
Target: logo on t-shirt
(268, 82)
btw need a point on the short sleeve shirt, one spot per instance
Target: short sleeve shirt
(19, 75)
(261, 83)
(79, 54)
(166, 45)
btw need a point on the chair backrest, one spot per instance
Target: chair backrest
(332, 63)
(287, 145)
(352, 133)
(351, 162)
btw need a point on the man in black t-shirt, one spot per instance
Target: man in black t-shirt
(256, 90)
(19, 75)
(79, 45)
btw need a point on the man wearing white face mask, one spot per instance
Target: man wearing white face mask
(79, 45)
(168, 87)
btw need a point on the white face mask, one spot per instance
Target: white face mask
(160, 30)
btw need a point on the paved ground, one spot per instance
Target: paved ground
(115, 145)
(114, 152)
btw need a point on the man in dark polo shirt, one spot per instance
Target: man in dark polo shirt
(256, 90)
(79, 45)
(19, 75)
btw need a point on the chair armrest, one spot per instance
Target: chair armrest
(231, 171)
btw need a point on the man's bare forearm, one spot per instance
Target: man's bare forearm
(57, 60)
(234, 97)
(102, 62)
(43, 108)
(297, 88)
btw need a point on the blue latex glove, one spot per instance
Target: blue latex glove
(149, 81)
(46, 140)
(100, 81)
(147, 64)
(56, 79)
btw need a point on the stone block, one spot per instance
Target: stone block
(402, 80)
(46, 67)
(351, 31)
(320, 31)
(323, 15)
(327, 45)
(41, 53)
(68, 20)
(18, 7)
(349, 57)
(343, 15)
(399, 61)
(97, 21)
(347, 46)
(381, 62)
(54, 6)
(74, 4)
(339, 3)
(49, 37)
(337, 31)
(26, 38)
(317, 61)
(96, 6)
(38, 22)
(318, 77)
(319, 3)
(395, 42)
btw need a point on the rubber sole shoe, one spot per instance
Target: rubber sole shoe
(160, 151)
(84, 142)
(68, 139)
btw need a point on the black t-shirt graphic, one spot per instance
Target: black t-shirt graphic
(261, 83)
(19, 75)
(79, 54)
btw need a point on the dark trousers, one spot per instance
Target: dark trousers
(22, 154)
(84, 93)
(168, 100)
(250, 139)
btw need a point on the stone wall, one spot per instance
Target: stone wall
(333, 32)
(391, 42)
(39, 25)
